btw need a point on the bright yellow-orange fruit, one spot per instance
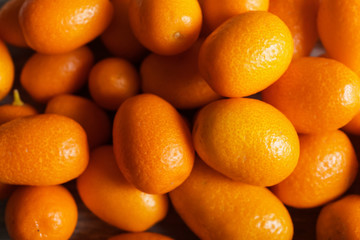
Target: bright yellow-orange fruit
(41, 213)
(246, 140)
(152, 144)
(141, 236)
(216, 12)
(58, 26)
(177, 79)
(340, 220)
(338, 23)
(327, 167)
(45, 76)
(44, 149)
(246, 54)
(118, 38)
(166, 27)
(112, 81)
(216, 207)
(316, 94)
(109, 196)
(300, 17)
(6, 70)
(10, 30)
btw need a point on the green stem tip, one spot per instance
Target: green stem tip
(17, 100)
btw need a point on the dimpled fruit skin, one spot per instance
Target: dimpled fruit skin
(152, 144)
(9, 112)
(44, 149)
(140, 236)
(246, 54)
(326, 169)
(340, 220)
(166, 27)
(59, 26)
(47, 212)
(216, 207)
(300, 17)
(338, 24)
(246, 140)
(6, 70)
(316, 94)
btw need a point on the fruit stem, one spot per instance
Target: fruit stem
(17, 100)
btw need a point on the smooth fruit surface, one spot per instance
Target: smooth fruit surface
(246, 54)
(353, 127)
(10, 30)
(44, 149)
(316, 94)
(6, 70)
(152, 144)
(216, 207)
(166, 27)
(112, 81)
(246, 140)
(140, 236)
(45, 76)
(41, 213)
(91, 117)
(118, 38)
(300, 17)
(327, 167)
(109, 196)
(177, 79)
(58, 26)
(340, 220)
(338, 23)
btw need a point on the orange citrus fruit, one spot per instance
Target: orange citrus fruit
(177, 79)
(246, 140)
(327, 167)
(340, 220)
(6, 71)
(140, 236)
(166, 27)
(44, 149)
(47, 212)
(58, 26)
(10, 30)
(109, 196)
(152, 144)
(45, 76)
(300, 17)
(216, 207)
(246, 54)
(111, 81)
(316, 94)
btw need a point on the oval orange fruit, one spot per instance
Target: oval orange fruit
(140, 236)
(7, 71)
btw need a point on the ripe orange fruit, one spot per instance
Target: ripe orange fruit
(340, 220)
(177, 79)
(44, 149)
(327, 167)
(10, 30)
(111, 81)
(45, 76)
(109, 196)
(246, 140)
(353, 127)
(17, 109)
(300, 17)
(152, 144)
(338, 24)
(92, 118)
(6, 71)
(316, 94)
(65, 25)
(216, 12)
(48, 212)
(141, 236)
(166, 27)
(216, 207)
(118, 38)
(246, 54)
